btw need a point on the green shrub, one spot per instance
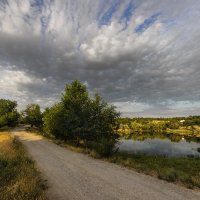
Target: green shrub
(104, 148)
(32, 115)
(168, 174)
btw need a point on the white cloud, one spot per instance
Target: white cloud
(54, 42)
(10, 80)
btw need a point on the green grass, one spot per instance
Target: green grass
(19, 179)
(184, 171)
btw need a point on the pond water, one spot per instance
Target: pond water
(157, 146)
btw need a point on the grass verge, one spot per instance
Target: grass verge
(184, 171)
(19, 179)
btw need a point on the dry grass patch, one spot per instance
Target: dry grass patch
(19, 179)
(4, 136)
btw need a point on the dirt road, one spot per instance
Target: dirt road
(76, 176)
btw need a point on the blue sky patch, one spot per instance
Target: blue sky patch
(44, 22)
(128, 12)
(38, 3)
(107, 16)
(147, 23)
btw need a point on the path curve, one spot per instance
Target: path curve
(74, 176)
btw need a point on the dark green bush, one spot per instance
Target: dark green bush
(104, 148)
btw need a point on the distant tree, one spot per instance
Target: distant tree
(32, 115)
(8, 113)
(192, 120)
(136, 127)
(173, 124)
(54, 122)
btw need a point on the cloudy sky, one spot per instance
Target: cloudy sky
(141, 55)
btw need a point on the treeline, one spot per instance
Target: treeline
(153, 126)
(138, 127)
(77, 118)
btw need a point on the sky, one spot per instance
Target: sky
(143, 56)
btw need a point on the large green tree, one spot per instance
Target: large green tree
(78, 117)
(8, 113)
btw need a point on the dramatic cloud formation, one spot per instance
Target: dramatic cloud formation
(141, 55)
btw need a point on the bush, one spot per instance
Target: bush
(32, 115)
(168, 175)
(104, 148)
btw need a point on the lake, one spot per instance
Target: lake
(157, 146)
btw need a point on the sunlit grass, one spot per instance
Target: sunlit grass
(19, 179)
(4, 136)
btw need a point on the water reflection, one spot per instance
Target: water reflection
(172, 146)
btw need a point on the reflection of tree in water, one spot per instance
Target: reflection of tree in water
(172, 137)
(142, 137)
(192, 139)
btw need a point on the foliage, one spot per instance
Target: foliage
(32, 115)
(54, 121)
(136, 127)
(78, 117)
(103, 148)
(131, 127)
(8, 113)
(192, 120)
(173, 124)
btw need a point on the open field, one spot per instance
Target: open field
(19, 179)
